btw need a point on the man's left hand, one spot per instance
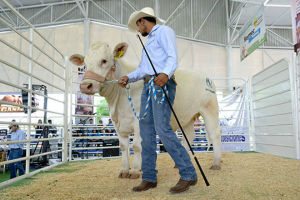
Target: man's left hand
(161, 79)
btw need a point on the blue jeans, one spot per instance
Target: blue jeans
(157, 121)
(14, 154)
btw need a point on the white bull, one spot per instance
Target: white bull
(195, 97)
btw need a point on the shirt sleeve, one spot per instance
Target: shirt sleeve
(136, 75)
(22, 135)
(167, 40)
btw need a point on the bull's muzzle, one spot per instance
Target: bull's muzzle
(87, 88)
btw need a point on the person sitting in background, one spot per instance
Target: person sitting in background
(90, 126)
(111, 126)
(3, 138)
(95, 134)
(38, 129)
(100, 126)
(16, 151)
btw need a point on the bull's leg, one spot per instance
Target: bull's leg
(213, 129)
(137, 148)
(190, 134)
(124, 144)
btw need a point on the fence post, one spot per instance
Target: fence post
(66, 104)
(27, 166)
(70, 111)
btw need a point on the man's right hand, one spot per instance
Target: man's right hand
(123, 81)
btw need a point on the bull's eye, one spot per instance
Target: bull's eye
(103, 61)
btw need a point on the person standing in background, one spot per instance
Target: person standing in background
(39, 129)
(16, 151)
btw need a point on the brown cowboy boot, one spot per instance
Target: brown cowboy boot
(145, 185)
(183, 185)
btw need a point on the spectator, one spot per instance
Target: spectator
(3, 138)
(91, 128)
(13, 121)
(111, 126)
(52, 129)
(100, 126)
(38, 129)
(80, 130)
(110, 123)
(16, 151)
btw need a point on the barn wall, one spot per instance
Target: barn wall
(273, 108)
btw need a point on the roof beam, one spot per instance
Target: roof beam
(236, 14)
(19, 2)
(174, 11)
(201, 26)
(103, 10)
(266, 3)
(131, 5)
(279, 17)
(36, 14)
(65, 13)
(280, 37)
(80, 6)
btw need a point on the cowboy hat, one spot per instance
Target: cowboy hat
(135, 16)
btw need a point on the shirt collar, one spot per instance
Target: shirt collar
(154, 29)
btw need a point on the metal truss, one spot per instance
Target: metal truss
(66, 12)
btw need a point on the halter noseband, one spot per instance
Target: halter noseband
(101, 79)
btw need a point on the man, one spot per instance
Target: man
(161, 47)
(52, 129)
(16, 151)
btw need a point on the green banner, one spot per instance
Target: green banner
(253, 34)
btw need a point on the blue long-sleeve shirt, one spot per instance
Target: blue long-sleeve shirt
(161, 47)
(17, 136)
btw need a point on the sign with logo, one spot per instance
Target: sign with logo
(234, 122)
(253, 34)
(15, 98)
(82, 98)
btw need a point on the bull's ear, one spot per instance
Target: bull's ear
(120, 50)
(78, 56)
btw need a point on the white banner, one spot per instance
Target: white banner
(234, 121)
(253, 34)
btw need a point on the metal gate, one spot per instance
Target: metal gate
(29, 80)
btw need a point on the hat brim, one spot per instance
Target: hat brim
(138, 15)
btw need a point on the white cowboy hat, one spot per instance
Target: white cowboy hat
(135, 16)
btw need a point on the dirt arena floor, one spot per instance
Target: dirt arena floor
(243, 176)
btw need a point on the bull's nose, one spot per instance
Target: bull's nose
(87, 88)
(90, 86)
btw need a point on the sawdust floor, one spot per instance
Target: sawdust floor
(243, 176)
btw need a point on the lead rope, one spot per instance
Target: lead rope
(151, 90)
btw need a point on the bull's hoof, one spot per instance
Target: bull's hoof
(215, 167)
(124, 175)
(134, 176)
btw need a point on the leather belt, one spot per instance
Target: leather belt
(147, 78)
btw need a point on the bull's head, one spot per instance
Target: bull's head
(100, 64)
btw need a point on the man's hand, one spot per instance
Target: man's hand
(123, 81)
(161, 79)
